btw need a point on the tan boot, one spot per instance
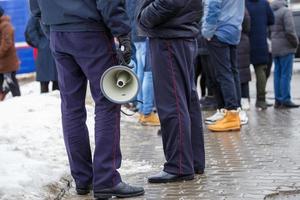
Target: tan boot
(231, 122)
(141, 118)
(150, 120)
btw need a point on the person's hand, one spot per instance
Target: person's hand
(208, 39)
(125, 47)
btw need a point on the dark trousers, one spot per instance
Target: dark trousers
(224, 60)
(82, 57)
(245, 90)
(45, 86)
(12, 84)
(203, 68)
(177, 104)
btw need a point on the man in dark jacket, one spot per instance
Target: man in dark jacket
(172, 26)
(82, 40)
(261, 17)
(284, 46)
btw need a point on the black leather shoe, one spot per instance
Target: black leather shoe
(199, 171)
(289, 104)
(83, 191)
(277, 104)
(164, 177)
(122, 190)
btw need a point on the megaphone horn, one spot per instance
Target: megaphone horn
(119, 84)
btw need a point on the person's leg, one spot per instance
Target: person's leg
(1, 82)
(269, 66)
(94, 62)
(277, 78)
(235, 73)
(198, 66)
(286, 77)
(209, 82)
(221, 58)
(44, 86)
(2, 92)
(172, 92)
(245, 90)
(55, 85)
(196, 125)
(13, 84)
(261, 81)
(141, 59)
(73, 83)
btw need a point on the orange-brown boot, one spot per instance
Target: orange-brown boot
(150, 120)
(141, 118)
(231, 122)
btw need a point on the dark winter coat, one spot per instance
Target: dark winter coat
(45, 64)
(283, 32)
(131, 7)
(202, 42)
(9, 61)
(261, 17)
(83, 15)
(169, 18)
(244, 50)
(1, 11)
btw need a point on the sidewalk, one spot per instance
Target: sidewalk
(261, 161)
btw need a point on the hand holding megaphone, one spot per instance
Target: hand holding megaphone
(124, 52)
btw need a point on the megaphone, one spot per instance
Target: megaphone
(119, 84)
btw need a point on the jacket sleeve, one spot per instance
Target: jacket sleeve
(35, 9)
(32, 34)
(160, 11)
(36, 12)
(246, 23)
(114, 16)
(270, 14)
(289, 27)
(212, 12)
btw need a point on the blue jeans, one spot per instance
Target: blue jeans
(282, 77)
(144, 73)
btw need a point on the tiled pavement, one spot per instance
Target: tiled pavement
(261, 161)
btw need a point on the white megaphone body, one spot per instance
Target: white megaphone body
(119, 84)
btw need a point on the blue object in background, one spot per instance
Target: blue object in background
(18, 10)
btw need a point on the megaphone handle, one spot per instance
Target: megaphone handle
(121, 59)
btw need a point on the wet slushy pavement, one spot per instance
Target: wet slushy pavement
(262, 161)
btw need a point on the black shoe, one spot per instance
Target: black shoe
(277, 104)
(83, 191)
(199, 171)
(289, 104)
(261, 105)
(122, 190)
(164, 177)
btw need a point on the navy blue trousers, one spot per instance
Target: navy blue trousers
(83, 57)
(223, 58)
(177, 104)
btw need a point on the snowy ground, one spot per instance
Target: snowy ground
(32, 152)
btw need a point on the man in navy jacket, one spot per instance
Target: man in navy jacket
(82, 41)
(172, 26)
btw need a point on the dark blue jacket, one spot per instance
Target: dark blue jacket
(261, 16)
(169, 18)
(83, 15)
(45, 64)
(1, 11)
(131, 7)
